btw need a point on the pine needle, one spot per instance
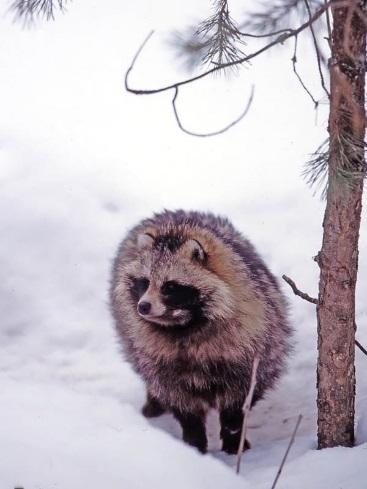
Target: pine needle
(29, 10)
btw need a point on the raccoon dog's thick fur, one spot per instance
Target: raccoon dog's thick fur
(193, 303)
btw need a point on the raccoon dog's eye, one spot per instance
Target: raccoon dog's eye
(169, 287)
(142, 284)
(138, 287)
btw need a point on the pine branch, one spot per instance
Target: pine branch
(349, 163)
(29, 10)
(279, 40)
(268, 22)
(236, 62)
(277, 15)
(315, 169)
(188, 47)
(220, 36)
(350, 167)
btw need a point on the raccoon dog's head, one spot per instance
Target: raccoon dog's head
(171, 285)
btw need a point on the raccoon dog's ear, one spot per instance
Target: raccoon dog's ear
(194, 249)
(145, 241)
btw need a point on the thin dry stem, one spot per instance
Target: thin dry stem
(294, 61)
(246, 410)
(291, 441)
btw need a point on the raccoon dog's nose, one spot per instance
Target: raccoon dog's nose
(144, 308)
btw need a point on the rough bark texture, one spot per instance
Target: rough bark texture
(338, 258)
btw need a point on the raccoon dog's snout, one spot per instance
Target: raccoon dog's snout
(144, 308)
(150, 306)
(193, 303)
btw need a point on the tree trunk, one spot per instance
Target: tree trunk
(338, 258)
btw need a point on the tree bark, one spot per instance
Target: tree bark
(338, 258)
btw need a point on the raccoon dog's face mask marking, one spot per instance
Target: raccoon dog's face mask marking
(163, 296)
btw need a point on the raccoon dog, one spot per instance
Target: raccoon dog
(193, 302)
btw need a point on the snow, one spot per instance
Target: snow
(81, 162)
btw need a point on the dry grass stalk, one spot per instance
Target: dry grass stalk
(246, 410)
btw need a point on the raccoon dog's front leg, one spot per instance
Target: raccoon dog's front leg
(193, 429)
(152, 408)
(231, 424)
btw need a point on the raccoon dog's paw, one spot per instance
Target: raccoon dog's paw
(230, 445)
(231, 420)
(193, 429)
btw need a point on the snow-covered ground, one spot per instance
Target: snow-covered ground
(80, 162)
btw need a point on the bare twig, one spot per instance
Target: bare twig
(361, 347)
(317, 50)
(215, 133)
(294, 61)
(291, 441)
(140, 49)
(270, 34)
(246, 410)
(304, 296)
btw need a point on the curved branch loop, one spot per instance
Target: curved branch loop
(214, 133)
